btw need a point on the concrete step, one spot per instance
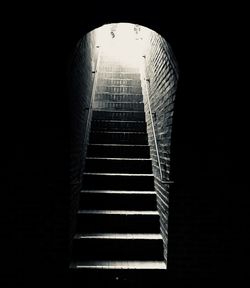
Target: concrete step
(119, 74)
(114, 274)
(117, 221)
(118, 89)
(112, 137)
(118, 150)
(118, 181)
(118, 165)
(121, 115)
(122, 126)
(108, 97)
(117, 82)
(123, 265)
(118, 246)
(117, 200)
(121, 106)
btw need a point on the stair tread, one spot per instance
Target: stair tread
(116, 132)
(119, 192)
(119, 212)
(123, 145)
(149, 236)
(118, 121)
(122, 102)
(118, 174)
(120, 158)
(114, 111)
(119, 265)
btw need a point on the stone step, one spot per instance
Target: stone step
(118, 150)
(118, 165)
(118, 246)
(123, 265)
(117, 200)
(109, 97)
(122, 126)
(119, 74)
(117, 221)
(118, 181)
(118, 89)
(121, 115)
(117, 81)
(113, 137)
(120, 106)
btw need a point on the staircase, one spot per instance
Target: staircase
(118, 229)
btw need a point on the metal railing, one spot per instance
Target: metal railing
(147, 82)
(90, 108)
(95, 72)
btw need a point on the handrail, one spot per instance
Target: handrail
(91, 103)
(152, 122)
(92, 94)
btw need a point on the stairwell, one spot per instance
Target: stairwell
(118, 228)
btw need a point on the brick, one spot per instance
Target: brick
(162, 90)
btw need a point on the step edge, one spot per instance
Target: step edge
(119, 174)
(118, 144)
(120, 121)
(123, 111)
(156, 265)
(118, 236)
(116, 132)
(118, 158)
(120, 102)
(118, 192)
(118, 212)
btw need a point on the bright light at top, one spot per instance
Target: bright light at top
(121, 42)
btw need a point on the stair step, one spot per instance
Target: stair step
(118, 97)
(119, 192)
(121, 74)
(117, 221)
(118, 137)
(112, 246)
(118, 150)
(117, 81)
(116, 125)
(118, 89)
(119, 165)
(117, 200)
(118, 181)
(114, 115)
(121, 106)
(127, 236)
(135, 265)
(118, 212)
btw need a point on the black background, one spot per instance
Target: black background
(41, 41)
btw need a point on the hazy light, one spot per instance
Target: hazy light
(125, 45)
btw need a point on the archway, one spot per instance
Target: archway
(158, 79)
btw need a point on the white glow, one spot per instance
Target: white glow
(126, 46)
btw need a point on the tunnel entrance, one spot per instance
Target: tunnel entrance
(123, 84)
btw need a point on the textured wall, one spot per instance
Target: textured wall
(81, 84)
(159, 82)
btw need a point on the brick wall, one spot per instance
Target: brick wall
(159, 82)
(80, 84)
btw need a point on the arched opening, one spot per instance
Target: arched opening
(123, 85)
